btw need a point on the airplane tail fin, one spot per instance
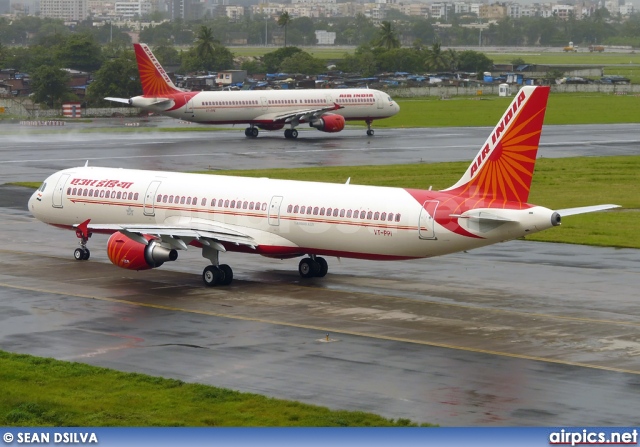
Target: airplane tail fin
(503, 168)
(155, 81)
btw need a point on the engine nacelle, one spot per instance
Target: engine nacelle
(132, 255)
(328, 123)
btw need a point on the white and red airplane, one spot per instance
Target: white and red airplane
(324, 109)
(151, 215)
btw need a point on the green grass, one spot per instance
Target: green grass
(563, 108)
(318, 52)
(48, 392)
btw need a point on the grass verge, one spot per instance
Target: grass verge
(47, 392)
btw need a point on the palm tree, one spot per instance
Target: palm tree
(436, 58)
(387, 36)
(283, 21)
(205, 42)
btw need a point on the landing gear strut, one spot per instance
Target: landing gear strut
(369, 129)
(291, 133)
(82, 232)
(215, 274)
(313, 267)
(251, 132)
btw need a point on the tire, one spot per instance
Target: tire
(254, 132)
(294, 134)
(308, 268)
(370, 132)
(247, 132)
(211, 276)
(87, 254)
(324, 267)
(287, 133)
(227, 275)
(78, 254)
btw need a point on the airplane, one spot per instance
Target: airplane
(151, 215)
(323, 109)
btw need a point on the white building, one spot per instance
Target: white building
(325, 38)
(67, 10)
(128, 10)
(234, 13)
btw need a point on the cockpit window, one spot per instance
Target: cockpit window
(389, 98)
(42, 187)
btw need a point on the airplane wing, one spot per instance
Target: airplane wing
(585, 209)
(179, 236)
(302, 115)
(142, 102)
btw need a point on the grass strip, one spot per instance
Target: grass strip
(46, 392)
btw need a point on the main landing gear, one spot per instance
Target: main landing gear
(313, 267)
(216, 274)
(251, 132)
(291, 134)
(369, 129)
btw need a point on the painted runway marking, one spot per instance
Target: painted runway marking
(324, 329)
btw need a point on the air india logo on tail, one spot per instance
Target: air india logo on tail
(503, 168)
(155, 81)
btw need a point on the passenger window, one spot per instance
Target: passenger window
(390, 217)
(69, 191)
(245, 205)
(182, 199)
(363, 214)
(348, 214)
(170, 199)
(220, 203)
(106, 194)
(309, 210)
(233, 204)
(135, 197)
(398, 217)
(329, 211)
(194, 201)
(369, 215)
(342, 212)
(91, 193)
(251, 205)
(226, 203)
(74, 191)
(383, 216)
(120, 194)
(102, 194)
(322, 211)
(289, 208)
(264, 207)
(315, 211)
(335, 212)
(296, 209)
(85, 192)
(376, 216)
(204, 202)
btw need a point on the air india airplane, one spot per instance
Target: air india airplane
(151, 215)
(324, 109)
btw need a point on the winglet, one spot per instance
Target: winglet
(86, 164)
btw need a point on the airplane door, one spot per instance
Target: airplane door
(57, 193)
(265, 104)
(379, 100)
(188, 108)
(426, 227)
(150, 198)
(329, 99)
(274, 210)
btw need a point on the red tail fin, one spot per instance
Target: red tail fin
(155, 81)
(503, 168)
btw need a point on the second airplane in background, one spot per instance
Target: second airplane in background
(324, 109)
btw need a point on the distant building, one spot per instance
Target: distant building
(130, 9)
(325, 38)
(67, 10)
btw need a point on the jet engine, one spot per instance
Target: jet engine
(328, 123)
(132, 255)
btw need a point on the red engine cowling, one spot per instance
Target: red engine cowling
(132, 255)
(329, 123)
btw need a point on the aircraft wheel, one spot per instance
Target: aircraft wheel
(254, 132)
(211, 275)
(227, 274)
(87, 254)
(287, 133)
(79, 254)
(247, 132)
(294, 133)
(308, 268)
(324, 267)
(370, 132)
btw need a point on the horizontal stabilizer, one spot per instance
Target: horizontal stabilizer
(483, 216)
(585, 209)
(121, 100)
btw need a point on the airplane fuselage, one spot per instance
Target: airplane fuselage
(259, 106)
(290, 218)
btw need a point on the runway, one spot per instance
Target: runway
(515, 334)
